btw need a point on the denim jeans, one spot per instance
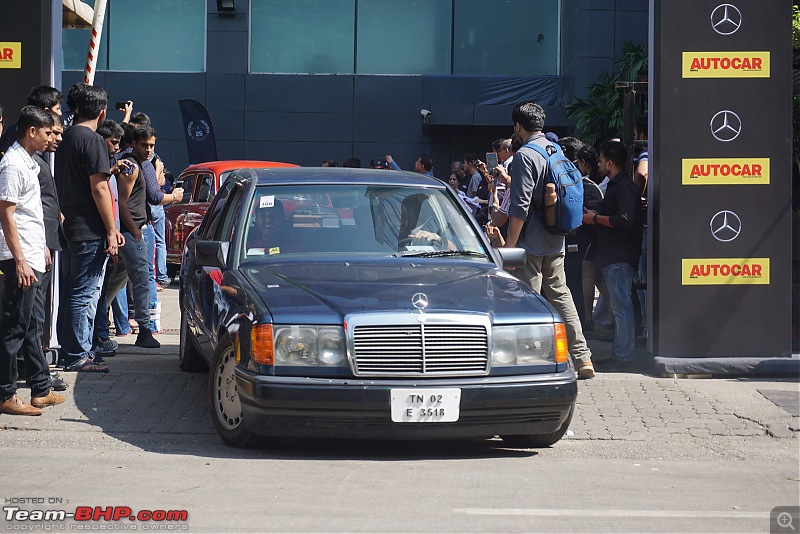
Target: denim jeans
(617, 281)
(20, 333)
(641, 277)
(159, 227)
(119, 308)
(149, 237)
(80, 273)
(132, 263)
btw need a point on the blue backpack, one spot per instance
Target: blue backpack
(569, 190)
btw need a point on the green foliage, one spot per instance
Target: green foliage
(600, 116)
(795, 27)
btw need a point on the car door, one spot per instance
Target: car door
(217, 226)
(176, 229)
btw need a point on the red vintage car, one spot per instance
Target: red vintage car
(200, 183)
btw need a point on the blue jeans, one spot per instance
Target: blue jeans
(617, 280)
(149, 237)
(79, 275)
(132, 263)
(159, 226)
(119, 307)
(641, 277)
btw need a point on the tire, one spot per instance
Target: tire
(226, 410)
(536, 441)
(189, 357)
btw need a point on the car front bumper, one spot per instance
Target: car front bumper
(359, 408)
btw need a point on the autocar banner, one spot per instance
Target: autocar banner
(201, 145)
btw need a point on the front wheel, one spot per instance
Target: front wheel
(536, 441)
(226, 410)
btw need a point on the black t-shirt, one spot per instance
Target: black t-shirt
(137, 201)
(81, 154)
(52, 218)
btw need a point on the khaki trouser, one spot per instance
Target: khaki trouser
(545, 274)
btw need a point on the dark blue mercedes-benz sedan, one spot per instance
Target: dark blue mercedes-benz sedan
(366, 304)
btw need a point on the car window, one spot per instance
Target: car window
(213, 217)
(229, 215)
(187, 182)
(355, 219)
(205, 188)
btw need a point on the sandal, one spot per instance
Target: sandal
(87, 365)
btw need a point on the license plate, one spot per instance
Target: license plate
(419, 405)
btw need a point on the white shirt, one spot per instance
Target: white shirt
(19, 184)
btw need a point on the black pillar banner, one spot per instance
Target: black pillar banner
(198, 131)
(720, 179)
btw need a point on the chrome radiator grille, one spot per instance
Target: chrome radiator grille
(420, 349)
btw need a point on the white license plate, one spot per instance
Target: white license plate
(418, 405)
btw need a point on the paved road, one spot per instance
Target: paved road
(644, 454)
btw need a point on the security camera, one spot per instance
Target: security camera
(426, 115)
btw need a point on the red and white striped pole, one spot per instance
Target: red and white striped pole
(94, 41)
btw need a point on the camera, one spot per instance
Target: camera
(120, 105)
(426, 115)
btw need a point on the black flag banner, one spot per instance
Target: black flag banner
(200, 142)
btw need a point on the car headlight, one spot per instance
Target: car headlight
(529, 344)
(300, 345)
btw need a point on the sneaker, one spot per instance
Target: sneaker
(585, 370)
(146, 340)
(15, 406)
(105, 348)
(57, 384)
(51, 399)
(164, 283)
(86, 365)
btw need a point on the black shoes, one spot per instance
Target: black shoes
(146, 340)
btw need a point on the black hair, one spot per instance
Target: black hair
(427, 162)
(570, 146)
(615, 152)
(110, 129)
(641, 124)
(352, 162)
(330, 162)
(529, 115)
(127, 135)
(140, 119)
(32, 116)
(57, 118)
(470, 157)
(143, 132)
(87, 101)
(44, 96)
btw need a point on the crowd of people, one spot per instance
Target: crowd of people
(97, 214)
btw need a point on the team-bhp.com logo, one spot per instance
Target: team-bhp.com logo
(86, 518)
(725, 271)
(10, 55)
(726, 64)
(725, 171)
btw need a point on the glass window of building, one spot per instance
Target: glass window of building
(404, 36)
(302, 36)
(505, 38)
(144, 35)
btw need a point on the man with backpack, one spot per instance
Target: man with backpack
(544, 268)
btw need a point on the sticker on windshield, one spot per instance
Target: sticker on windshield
(256, 251)
(274, 250)
(267, 201)
(330, 223)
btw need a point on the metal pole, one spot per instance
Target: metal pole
(94, 41)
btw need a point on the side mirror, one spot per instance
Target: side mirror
(512, 257)
(210, 254)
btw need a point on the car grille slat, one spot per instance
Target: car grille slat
(422, 349)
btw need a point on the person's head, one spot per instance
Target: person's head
(45, 97)
(58, 131)
(457, 167)
(640, 128)
(409, 213)
(140, 119)
(502, 147)
(551, 136)
(613, 157)
(127, 136)
(352, 162)
(453, 180)
(423, 164)
(329, 163)
(470, 161)
(112, 133)
(270, 220)
(528, 118)
(570, 146)
(587, 161)
(34, 128)
(88, 102)
(144, 142)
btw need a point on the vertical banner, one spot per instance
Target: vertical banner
(199, 132)
(720, 135)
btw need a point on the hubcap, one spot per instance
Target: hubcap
(228, 408)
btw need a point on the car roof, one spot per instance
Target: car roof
(227, 165)
(343, 175)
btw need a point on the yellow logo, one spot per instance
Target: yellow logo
(726, 65)
(725, 171)
(725, 271)
(10, 55)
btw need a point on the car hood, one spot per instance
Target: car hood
(323, 293)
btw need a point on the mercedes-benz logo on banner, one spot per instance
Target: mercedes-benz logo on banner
(726, 19)
(725, 226)
(726, 126)
(420, 301)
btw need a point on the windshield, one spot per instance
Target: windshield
(314, 220)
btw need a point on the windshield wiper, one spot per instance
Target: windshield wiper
(437, 253)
